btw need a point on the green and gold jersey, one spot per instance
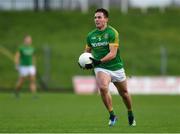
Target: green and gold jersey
(26, 55)
(99, 42)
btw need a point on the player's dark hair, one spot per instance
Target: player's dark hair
(104, 11)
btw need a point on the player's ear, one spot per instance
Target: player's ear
(107, 19)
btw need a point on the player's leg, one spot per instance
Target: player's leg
(32, 78)
(103, 81)
(22, 75)
(19, 85)
(123, 91)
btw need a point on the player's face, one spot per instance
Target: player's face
(28, 40)
(100, 20)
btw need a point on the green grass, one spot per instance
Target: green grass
(77, 113)
(141, 36)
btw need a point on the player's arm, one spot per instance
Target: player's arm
(113, 47)
(16, 59)
(87, 49)
(111, 55)
(88, 46)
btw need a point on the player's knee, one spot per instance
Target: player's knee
(20, 81)
(103, 88)
(32, 82)
(124, 93)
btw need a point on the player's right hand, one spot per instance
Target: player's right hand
(95, 62)
(89, 66)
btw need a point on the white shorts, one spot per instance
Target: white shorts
(27, 70)
(116, 76)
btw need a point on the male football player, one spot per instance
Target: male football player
(103, 43)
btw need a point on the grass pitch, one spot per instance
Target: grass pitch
(65, 113)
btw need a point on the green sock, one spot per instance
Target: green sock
(111, 113)
(130, 113)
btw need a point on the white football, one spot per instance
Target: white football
(84, 59)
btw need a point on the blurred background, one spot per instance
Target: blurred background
(149, 45)
(149, 39)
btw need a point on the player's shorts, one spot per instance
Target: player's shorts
(27, 70)
(116, 76)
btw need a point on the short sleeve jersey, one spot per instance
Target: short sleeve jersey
(99, 42)
(26, 54)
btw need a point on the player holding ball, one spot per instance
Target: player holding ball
(103, 43)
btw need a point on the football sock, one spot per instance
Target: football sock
(130, 117)
(111, 113)
(16, 93)
(130, 113)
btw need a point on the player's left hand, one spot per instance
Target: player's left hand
(95, 62)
